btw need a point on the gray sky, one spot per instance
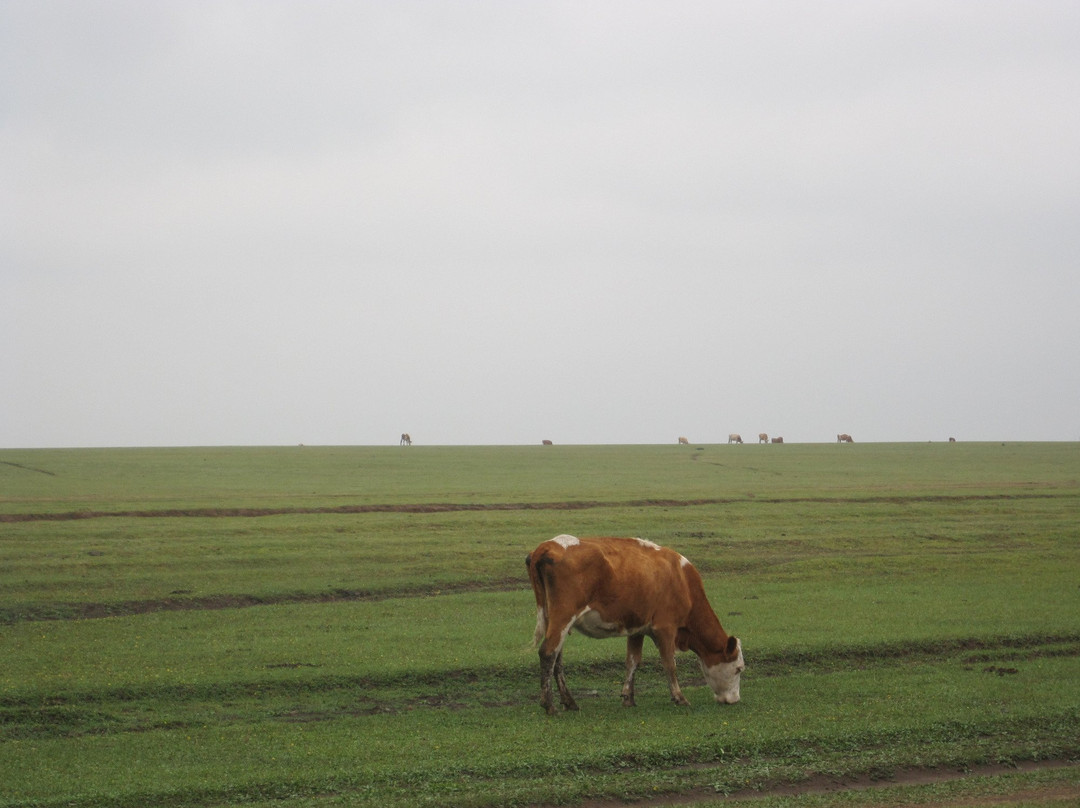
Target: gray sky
(496, 222)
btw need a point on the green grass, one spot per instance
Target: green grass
(117, 564)
(901, 607)
(58, 481)
(1052, 788)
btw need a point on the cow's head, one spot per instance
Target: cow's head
(724, 674)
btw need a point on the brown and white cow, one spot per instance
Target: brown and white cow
(762, 437)
(405, 439)
(683, 441)
(844, 438)
(734, 437)
(624, 587)
(777, 439)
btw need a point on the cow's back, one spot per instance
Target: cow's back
(629, 581)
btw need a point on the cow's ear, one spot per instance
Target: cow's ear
(732, 650)
(682, 640)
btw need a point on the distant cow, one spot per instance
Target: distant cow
(844, 438)
(405, 439)
(618, 587)
(952, 440)
(683, 442)
(734, 438)
(545, 442)
(777, 440)
(762, 437)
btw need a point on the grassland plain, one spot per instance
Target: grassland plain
(349, 625)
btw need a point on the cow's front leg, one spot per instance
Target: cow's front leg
(633, 661)
(666, 645)
(560, 679)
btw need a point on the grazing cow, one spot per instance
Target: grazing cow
(405, 439)
(952, 440)
(618, 587)
(762, 437)
(734, 437)
(683, 442)
(777, 440)
(546, 443)
(844, 438)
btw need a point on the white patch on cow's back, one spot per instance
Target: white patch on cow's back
(646, 543)
(684, 561)
(566, 541)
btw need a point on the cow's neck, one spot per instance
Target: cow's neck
(706, 637)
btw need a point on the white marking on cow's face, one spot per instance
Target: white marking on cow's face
(646, 543)
(566, 541)
(723, 678)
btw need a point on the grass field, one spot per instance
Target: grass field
(349, 626)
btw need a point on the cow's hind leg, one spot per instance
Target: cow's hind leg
(547, 671)
(633, 661)
(560, 679)
(551, 667)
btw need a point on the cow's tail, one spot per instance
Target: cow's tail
(536, 564)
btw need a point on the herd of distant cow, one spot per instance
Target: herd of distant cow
(763, 437)
(734, 437)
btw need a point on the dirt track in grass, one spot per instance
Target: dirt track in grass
(865, 788)
(181, 602)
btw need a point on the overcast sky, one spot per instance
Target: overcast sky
(498, 222)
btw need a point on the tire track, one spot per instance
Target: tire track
(454, 507)
(127, 608)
